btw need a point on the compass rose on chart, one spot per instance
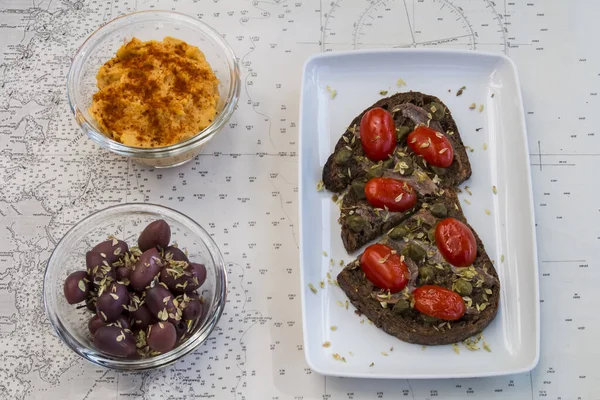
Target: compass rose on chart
(463, 24)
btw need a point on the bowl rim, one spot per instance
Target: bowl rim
(199, 138)
(161, 360)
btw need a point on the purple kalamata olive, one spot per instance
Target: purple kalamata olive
(162, 336)
(94, 324)
(111, 250)
(76, 287)
(193, 309)
(181, 328)
(142, 317)
(122, 273)
(180, 277)
(99, 269)
(122, 321)
(146, 268)
(160, 303)
(156, 234)
(115, 341)
(110, 303)
(200, 273)
(175, 254)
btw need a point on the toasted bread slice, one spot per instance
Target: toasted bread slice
(408, 324)
(408, 109)
(374, 222)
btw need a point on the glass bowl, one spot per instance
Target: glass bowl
(103, 44)
(126, 222)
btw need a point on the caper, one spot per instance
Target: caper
(343, 156)
(429, 319)
(398, 232)
(436, 110)
(438, 171)
(376, 171)
(356, 223)
(463, 287)
(426, 274)
(431, 235)
(401, 306)
(439, 210)
(388, 164)
(402, 132)
(415, 252)
(358, 186)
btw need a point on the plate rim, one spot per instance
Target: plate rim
(500, 57)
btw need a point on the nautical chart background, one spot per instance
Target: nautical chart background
(244, 190)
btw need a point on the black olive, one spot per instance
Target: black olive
(184, 278)
(111, 250)
(115, 341)
(193, 309)
(162, 336)
(109, 304)
(156, 234)
(142, 317)
(146, 268)
(76, 287)
(160, 303)
(175, 254)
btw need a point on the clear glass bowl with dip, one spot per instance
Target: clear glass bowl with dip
(103, 44)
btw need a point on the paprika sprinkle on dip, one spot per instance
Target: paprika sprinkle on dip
(154, 94)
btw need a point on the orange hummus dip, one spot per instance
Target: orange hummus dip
(155, 94)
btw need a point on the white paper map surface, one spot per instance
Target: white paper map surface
(244, 190)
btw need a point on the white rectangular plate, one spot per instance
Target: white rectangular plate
(504, 221)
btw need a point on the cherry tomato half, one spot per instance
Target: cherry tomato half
(384, 268)
(456, 242)
(377, 134)
(392, 193)
(432, 145)
(437, 301)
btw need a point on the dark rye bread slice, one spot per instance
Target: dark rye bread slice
(408, 110)
(376, 222)
(410, 325)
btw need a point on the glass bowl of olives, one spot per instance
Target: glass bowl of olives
(135, 287)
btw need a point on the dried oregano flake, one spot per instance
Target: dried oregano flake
(332, 92)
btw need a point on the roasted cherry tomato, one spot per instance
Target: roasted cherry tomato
(437, 301)
(456, 242)
(432, 145)
(377, 134)
(392, 193)
(384, 268)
